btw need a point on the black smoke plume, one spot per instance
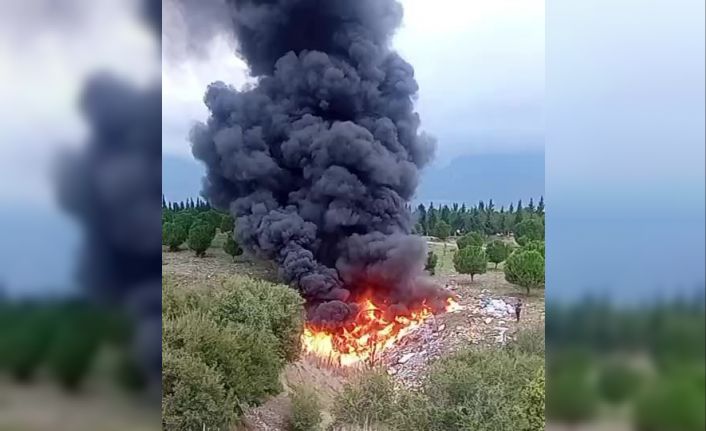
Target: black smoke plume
(318, 159)
(112, 187)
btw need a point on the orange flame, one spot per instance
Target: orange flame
(369, 335)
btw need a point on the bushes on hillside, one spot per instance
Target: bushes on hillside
(471, 260)
(193, 394)
(537, 246)
(200, 237)
(242, 330)
(526, 269)
(306, 410)
(471, 239)
(486, 390)
(442, 230)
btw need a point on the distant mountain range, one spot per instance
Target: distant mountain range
(505, 178)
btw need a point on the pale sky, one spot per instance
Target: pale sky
(47, 50)
(479, 64)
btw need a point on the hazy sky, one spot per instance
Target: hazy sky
(479, 64)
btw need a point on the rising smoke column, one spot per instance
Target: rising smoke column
(112, 187)
(317, 160)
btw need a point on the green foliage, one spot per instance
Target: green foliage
(242, 330)
(185, 219)
(618, 382)
(571, 395)
(231, 247)
(306, 410)
(432, 260)
(75, 344)
(471, 239)
(227, 223)
(272, 307)
(23, 345)
(529, 229)
(367, 399)
(531, 403)
(173, 235)
(193, 395)
(471, 260)
(485, 390)
(442, 230)
(537, 246)
(673, 402)
(529, 342)
(200, 238)
(526, 269)
(497, 251)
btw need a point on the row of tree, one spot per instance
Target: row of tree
(196, 223)
(445, 221)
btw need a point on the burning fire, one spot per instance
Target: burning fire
(369, 335)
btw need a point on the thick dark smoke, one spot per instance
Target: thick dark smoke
(318, 159)
(113, 188)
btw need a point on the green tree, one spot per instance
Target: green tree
(173, 235)
(231, 247)
(431, 262)
(497, 252)
(471, 260)
(227, 223)
(471, 239)
(530, 229)
(200, 237)
(442, 230)
(422, 219)
(526, 269)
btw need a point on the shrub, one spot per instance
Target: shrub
(532, 403)
(530, 229)
(497, 252)
(193, 395)
(571, 396)
(173, 235)
(471, 239)
(231, 247)
(672, 403)
(306, 410)
(430, 265)
(482, 390)
(529, 341)
(200, 238)
(534, 245)
(526, 269)
(274, 307)
(227, 223)
(618, 382)
(365, 400)
(471, 260)
(245, 357)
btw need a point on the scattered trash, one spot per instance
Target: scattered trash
(405, 358)
(497, 307)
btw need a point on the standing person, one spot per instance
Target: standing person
(518, 309)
